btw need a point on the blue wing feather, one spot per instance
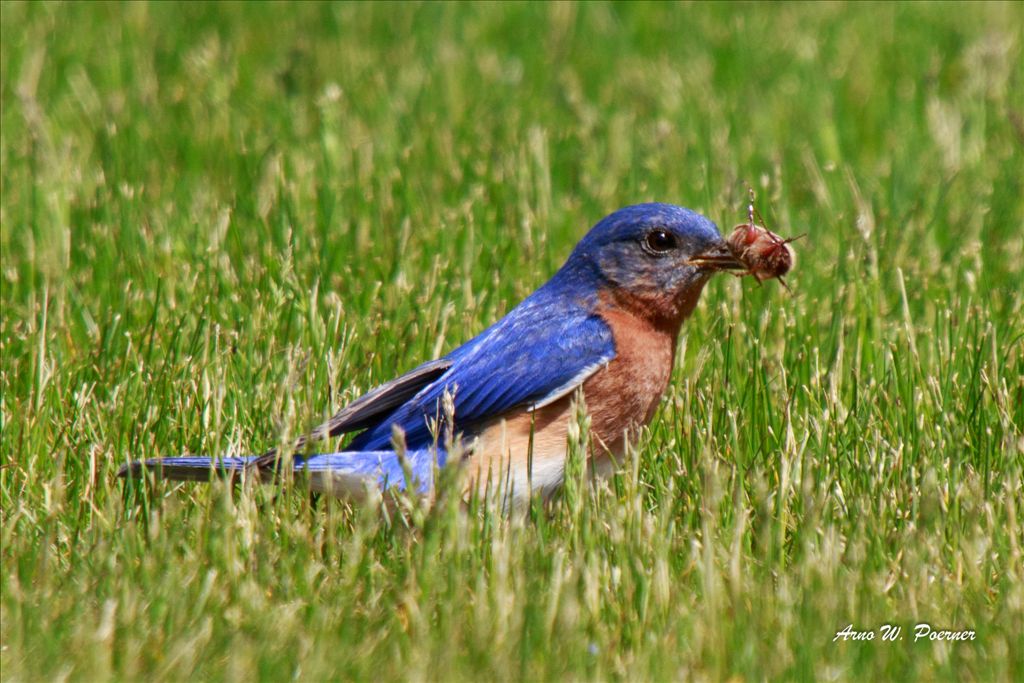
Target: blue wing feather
(541, 347)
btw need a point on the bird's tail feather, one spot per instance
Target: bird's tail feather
(340, 473)
(187, 468)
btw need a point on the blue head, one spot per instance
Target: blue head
(644, 256)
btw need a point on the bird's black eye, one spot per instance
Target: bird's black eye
(659, 241)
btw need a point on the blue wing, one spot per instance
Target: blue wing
(539, 352)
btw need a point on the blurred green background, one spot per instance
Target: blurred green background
(220, 222)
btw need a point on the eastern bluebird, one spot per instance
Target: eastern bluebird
(606, 323)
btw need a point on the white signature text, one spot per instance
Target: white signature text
(891, 632)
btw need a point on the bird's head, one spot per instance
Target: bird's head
(653, 258)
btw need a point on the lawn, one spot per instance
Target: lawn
(220, 223)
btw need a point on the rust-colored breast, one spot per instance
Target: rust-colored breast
(624, 396)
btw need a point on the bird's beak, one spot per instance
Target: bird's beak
(717, 257)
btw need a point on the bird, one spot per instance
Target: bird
(603, 329)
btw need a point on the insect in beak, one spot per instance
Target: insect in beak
(718, 257)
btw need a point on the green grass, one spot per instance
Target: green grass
(222, 222)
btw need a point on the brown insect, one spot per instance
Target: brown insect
(764, 254)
